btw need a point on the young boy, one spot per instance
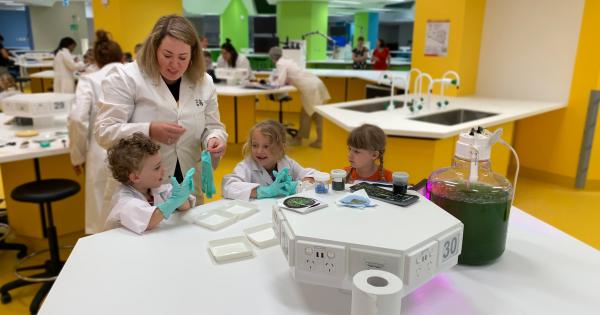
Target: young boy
(142, 201)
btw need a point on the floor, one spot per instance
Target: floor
(573, 211)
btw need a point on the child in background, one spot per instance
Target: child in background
(141, 201)
(266, 170)
(366, 144)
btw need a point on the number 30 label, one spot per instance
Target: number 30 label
(449, 247)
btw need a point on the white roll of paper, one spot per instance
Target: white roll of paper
(376, 292)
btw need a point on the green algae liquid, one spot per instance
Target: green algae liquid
(484, 211)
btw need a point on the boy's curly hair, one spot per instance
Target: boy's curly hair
(126, 156)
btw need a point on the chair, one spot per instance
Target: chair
(281, 98)
(42, 192)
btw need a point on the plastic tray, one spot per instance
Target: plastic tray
(240, 209)
(230, 248)
(262, 235)
(215, 219)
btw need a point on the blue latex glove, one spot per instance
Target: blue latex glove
(283, 176)
(179, 194)
(274, 190)
(208, 182)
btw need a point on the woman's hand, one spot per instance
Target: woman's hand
(165, 132)
(217, 148)
(79, 169)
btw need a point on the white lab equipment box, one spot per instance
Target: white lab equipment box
(41, 107)
(328, 246)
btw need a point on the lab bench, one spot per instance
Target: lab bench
(170, 271)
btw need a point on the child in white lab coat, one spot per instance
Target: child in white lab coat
(266, 170)
(142, 201)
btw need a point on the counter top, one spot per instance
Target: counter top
(239, 90)
(393, 62)
(368, 75)
(170, 271)
(46, 74)
(398, 123)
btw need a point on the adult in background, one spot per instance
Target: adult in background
(86, 154)
(230, 58)
(381, 56)
(65, 65)
(360, 54)
(312, 93)
(166, 95)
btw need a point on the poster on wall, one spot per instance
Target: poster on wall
(436, 38)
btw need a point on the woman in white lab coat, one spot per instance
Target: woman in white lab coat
(312, 93)
(230, 58)
(65, 66)
(86, 153)
(167, 96)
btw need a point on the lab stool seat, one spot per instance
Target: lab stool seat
(42, 192)
(285, 98)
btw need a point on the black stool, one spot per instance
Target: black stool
(42, 192)
(286, 98)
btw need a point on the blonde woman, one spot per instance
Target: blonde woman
(166, 95)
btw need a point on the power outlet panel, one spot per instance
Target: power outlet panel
(286, 241)
(362, 259)
(422, 264)
(324, 259)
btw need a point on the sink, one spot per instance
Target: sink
(373, 107)
(454, 117)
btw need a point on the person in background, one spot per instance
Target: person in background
(312, 93)
(127, 57)
(366, 144)
(5, 60)
(136, 49)
(207, 57)
(65, 66)
(89, 62)
(86, 154)
(381, 56)
(142, 201)
(266, 171)
(360, 54)
(167, 95)
(230, 58)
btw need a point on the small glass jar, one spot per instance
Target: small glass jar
(321, 183)
(338, 182)
(400, 182)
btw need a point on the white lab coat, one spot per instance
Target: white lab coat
(248, 174)
(64, 69)
(131, 100)
(130, 208)
(241, 63)
(85, 149)
(312, 90)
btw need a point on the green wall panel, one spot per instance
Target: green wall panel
(295, 18)
(234, 24)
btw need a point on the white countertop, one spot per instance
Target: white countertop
(398, 123)
(169, 271)
(43, 64)
(11, 153)
(239, 90)
(393, 62)
(46, 74)
(368, 75)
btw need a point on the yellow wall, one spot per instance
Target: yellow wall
(551, 143)
(130, 21)
(464, 41)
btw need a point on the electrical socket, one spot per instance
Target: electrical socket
(322, 258)
(422, 263)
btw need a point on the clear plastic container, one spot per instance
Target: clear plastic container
(321, 183)
(338, 182)
(483, 206)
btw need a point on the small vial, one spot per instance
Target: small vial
(322, 183)
(338, 180)
(400, 182)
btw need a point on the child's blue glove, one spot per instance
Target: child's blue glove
(274, 190)
(208, 182)
(179, 193)
(283, 176)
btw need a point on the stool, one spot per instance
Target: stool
(291, 131)
(5, 231)
(42, 192)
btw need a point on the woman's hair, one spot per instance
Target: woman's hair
(368, 137)
(179, 28)
(106, 50)
(65, 42)
(126, 156)
(275, 53)
(275, 131)
(231, 50)
(382, 42)
(361, 39)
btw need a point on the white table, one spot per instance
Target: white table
(169, 271)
